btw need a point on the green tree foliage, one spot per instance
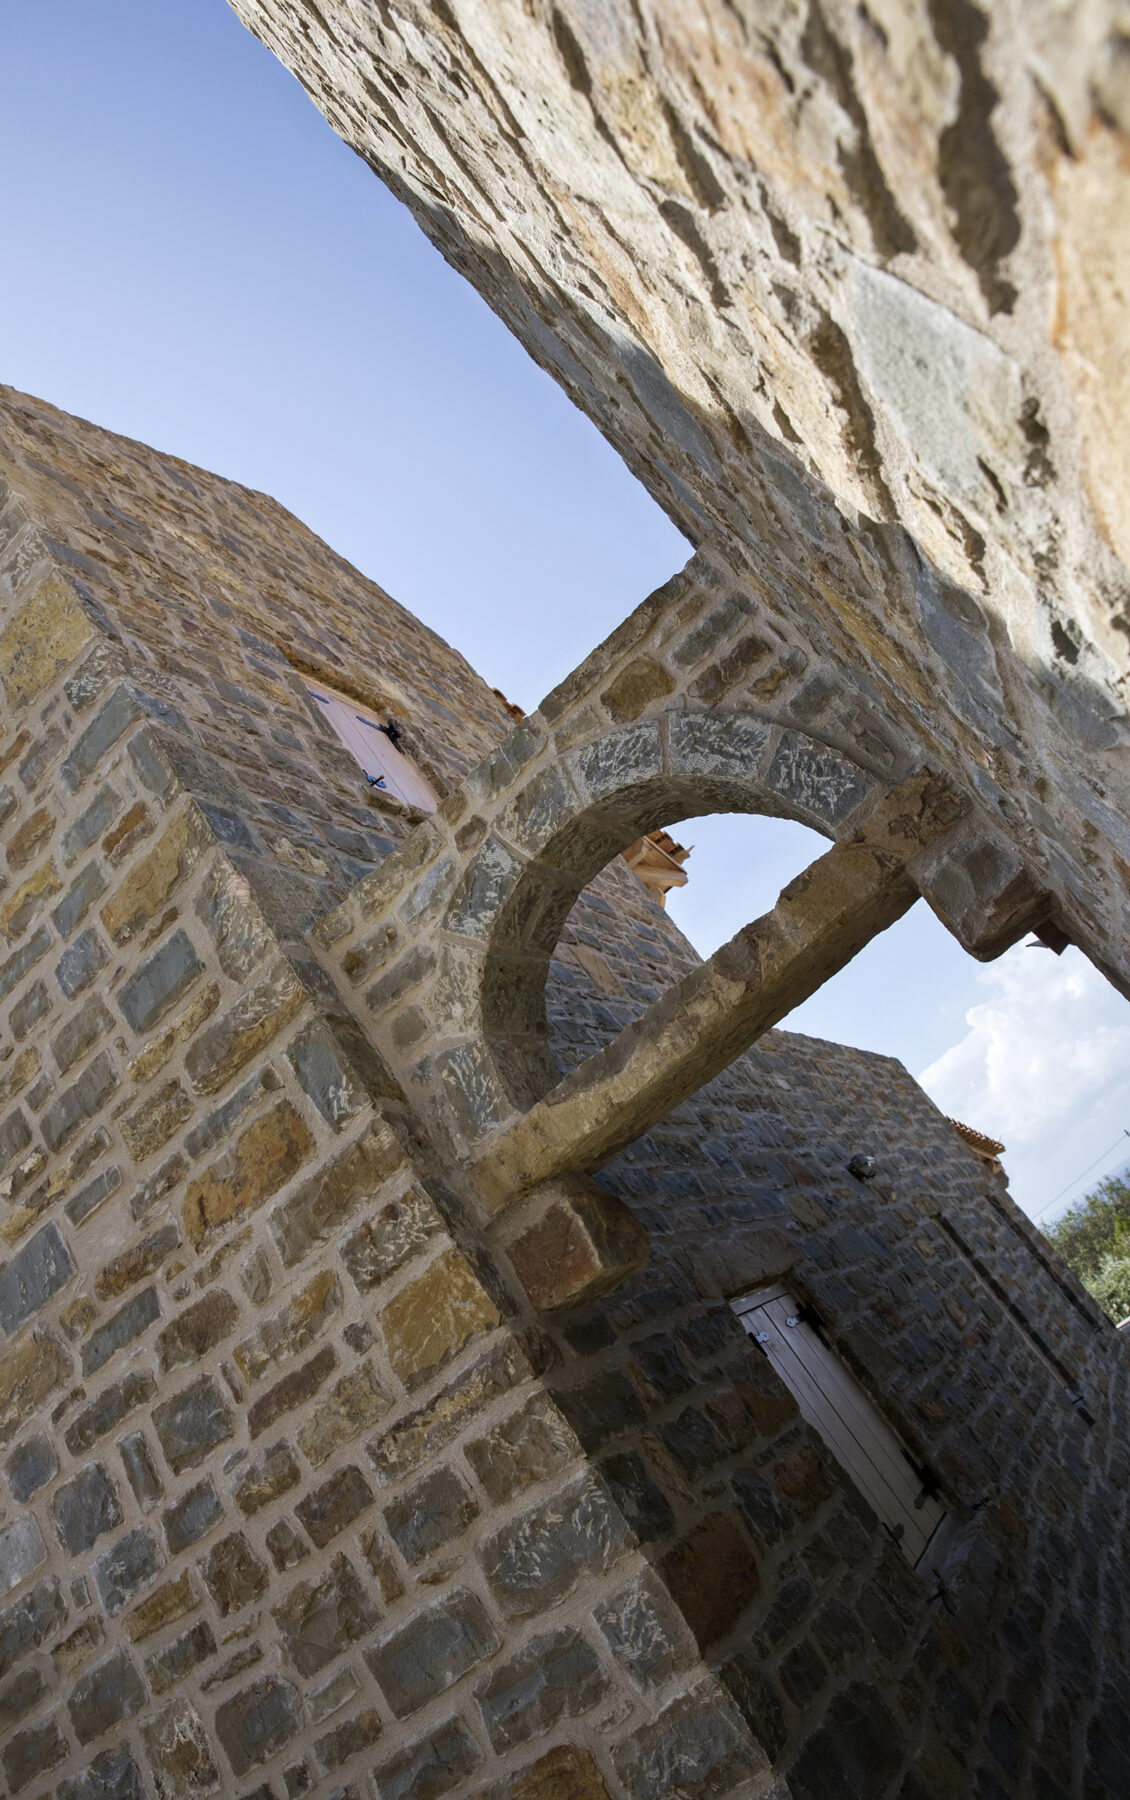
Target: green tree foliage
(1093, 1238)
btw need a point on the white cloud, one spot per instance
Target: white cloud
(1044, 1066)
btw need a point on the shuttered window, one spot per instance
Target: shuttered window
(365, 736)
(834, 1404)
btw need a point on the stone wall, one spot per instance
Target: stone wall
(302, 1495)
(846, 289)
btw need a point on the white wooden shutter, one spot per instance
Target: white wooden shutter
(834, 1404)
(363, 735)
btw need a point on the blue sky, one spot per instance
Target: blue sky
(194, 259)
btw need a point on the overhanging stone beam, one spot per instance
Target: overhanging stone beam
(821, 920)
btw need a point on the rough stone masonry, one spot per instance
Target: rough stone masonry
(374, 1420)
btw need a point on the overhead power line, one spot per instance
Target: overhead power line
(1074, 1182)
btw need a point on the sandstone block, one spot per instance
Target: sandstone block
(41, 639)
(292, 1328)
(132, 1563)
(84, 1508)
(552, 1677)
(318, 1619)
(526, 1447)
(28, 1374)
(192, 1423)
(147, 994)
(27, 900)
(28, 1282)
(233, 1574)
(120, 1329)
(152, 1059)
(331, 1507)
(191, 1517)
(320, 1206)
(153, 1123)
(179, 1753)
(224, 1048)
(433, 1317)
(259, 1722)
(21, 1551)
(392, 1237)
(22, 1069)
(419, 1436)
(261, 1481)
(198, 1329)
(167, 1667)
(112, 1691)
(29, 1754)
(432, 1651)
(537, 1559)
(263, 1159)
(169, 1602)
(430, 1514)
(145, 891)
(293, 1390)
(713, 1576)
(108, 1410)
(155, 1187)
(134, 1264)
(350, 1407)
(31, 1466)
(564, 1773)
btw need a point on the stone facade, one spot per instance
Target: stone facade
(348, 1451)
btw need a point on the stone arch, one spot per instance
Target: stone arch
(574, 813)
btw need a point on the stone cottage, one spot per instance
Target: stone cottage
(452, 1345)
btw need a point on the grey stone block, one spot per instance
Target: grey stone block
(258, 1723)
(646, 1632)
(126, 1567)
(325, 1074)
(318, 1619)
(110, 1692)
(25, 1624)
(431, 1767)
(552, 1677)
(699, 1746)
(111, 1407)
(90, 824)
(166, 1667)
(80, 963)
(13, 970)
(141, 1472)
(78, 899)
(539, 1558)
(84, 1508)
(88, 1199)
(21, 1551)
(78, 1103)
(15, 1135)
(430, 1514)
(432, 1651)
(130, 1320)
(42, 1267)
(192, 1423)
(31, 1466)
(32, 1753)
(113, 718)
(159, 983)
(80, 1033)
(29, 1010)
(112, 1776)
